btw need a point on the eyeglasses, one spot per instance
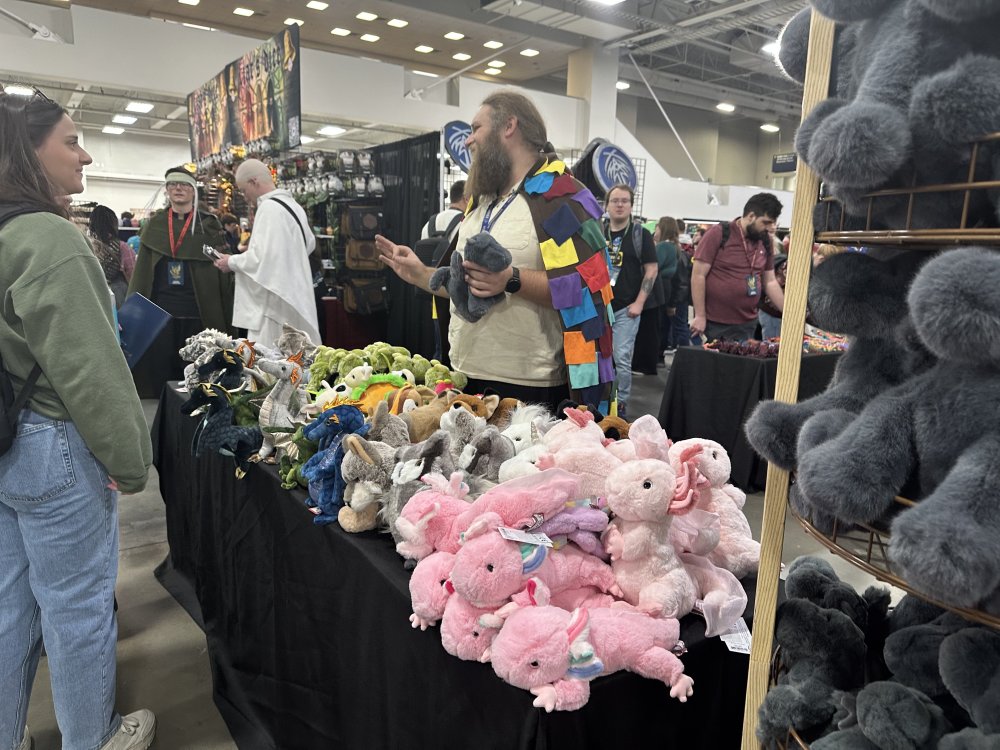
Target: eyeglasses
(620, 202)
(22, 90)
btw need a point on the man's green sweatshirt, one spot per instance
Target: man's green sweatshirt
(57, 311)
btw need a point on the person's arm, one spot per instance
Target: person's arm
(699, 273)
(405, 264)
(774, 291)
(650, 272)
(484, 283)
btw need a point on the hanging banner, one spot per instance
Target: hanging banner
(254, 103)
(456, 133)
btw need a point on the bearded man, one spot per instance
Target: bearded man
(549, 338)
(730, 274)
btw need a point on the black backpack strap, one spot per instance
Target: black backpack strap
(296, 217)
(25, 394)
(455, 221)
(725, 233)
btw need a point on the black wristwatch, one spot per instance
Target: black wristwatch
(514, 282)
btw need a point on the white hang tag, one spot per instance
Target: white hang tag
(516, 535)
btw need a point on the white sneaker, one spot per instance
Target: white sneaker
(27, 743)
(135, 733)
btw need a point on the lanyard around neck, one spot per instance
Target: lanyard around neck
(174, 244)
(489, 221)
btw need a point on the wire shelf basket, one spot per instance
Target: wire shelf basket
(793, 740)
(867, 548)
(970, 225)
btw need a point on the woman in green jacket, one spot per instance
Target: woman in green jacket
(80, 439)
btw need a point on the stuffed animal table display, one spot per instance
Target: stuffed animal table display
(483, 250)
(555, 654)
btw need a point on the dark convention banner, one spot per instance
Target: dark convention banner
(254, 102)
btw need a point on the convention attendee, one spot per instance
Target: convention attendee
(440, 221)
(730, 273)
(116, 258)
(173, 271)
(81, 439)
(633, 274)
(517, 347)
(768, 314)
(667, 239)
(127, 217)
(233, 232)
(273, 280)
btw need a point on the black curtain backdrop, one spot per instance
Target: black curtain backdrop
(412, 185)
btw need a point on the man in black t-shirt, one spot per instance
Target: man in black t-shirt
(633, 273)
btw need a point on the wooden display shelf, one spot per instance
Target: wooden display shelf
(867, 548)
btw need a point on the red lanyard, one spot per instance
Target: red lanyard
(748, 254)
(174, 244)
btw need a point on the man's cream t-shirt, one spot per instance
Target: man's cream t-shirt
(517, 341)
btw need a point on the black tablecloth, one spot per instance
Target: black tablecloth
(310, 645)
(710, 395)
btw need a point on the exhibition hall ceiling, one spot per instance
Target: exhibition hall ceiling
(699, 53)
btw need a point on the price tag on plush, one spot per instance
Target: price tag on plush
(516, 535)
(737, 638)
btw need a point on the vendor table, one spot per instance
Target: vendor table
(310, 645)
(710, 395)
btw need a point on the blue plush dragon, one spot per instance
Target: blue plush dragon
(322, 471)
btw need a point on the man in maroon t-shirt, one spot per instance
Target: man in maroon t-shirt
(728, 278)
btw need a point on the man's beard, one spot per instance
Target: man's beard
(490, 171)
(752, 233)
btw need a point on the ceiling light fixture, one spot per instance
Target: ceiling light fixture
(425, 73)
(370, 37)
(189, 2)
(317, 5)
(340, 32)
(198, 26)
(492, 71)
(398, 23)
(771, 49)
(461, 56)
(423, 49)
(331, 130)
(112, 130)
(124, 120)
(454, 36)
(17, 90)
(242, 12)
(492, 44)
(294, 21)
(725, 107)
(622, 85)
(528, 52)
(496, 63)
(366, 16)
(306, 139)
(607, 2)
(769, 127)
(142, 108)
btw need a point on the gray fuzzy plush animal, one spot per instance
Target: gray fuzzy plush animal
(863, 298)
(485, 251)
(412, 461)
(367, 469)
(943, 423)
(484, 455)
(824, 651)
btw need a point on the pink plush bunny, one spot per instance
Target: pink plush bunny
(644, 495)
(489, 569)
(429, 591)
(426, 521)
(555, 653)
(737, 551)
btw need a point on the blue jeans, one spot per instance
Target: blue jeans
(58, 566)
(770, 326)
(678, 333)
(623, 335)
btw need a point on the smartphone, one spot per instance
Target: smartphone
(211, 252)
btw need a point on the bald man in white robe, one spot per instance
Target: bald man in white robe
(273, 279)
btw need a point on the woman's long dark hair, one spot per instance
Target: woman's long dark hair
(104, 224)
(25, 123)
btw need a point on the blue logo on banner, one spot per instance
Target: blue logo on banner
(455, 134)
(612, 166)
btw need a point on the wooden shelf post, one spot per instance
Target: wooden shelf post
(816, 89)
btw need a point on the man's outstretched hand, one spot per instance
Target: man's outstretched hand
(403, 261)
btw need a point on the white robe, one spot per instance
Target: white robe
(273, 280)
